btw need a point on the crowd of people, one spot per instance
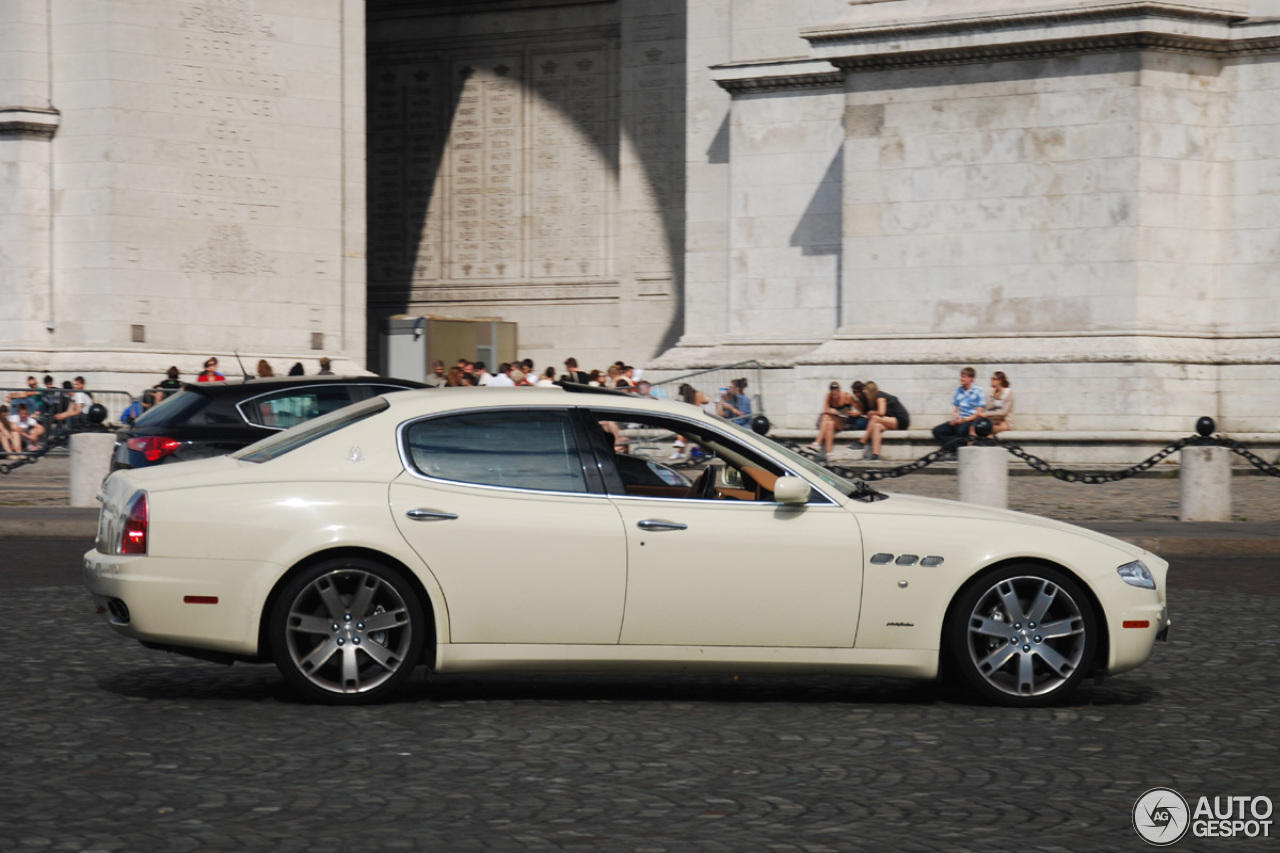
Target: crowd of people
(865, 407)
(31, 415)
(28, 417)
(524, 373)
(734, 402)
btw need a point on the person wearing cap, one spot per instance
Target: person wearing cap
(840, 410)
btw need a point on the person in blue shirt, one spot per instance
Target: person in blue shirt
(735, 405)
(968, 404)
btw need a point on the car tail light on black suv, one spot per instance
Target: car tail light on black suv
(153, 447)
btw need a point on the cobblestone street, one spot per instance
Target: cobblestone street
(111, 747)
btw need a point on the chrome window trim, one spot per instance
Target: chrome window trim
(407, 463)
(703, 502)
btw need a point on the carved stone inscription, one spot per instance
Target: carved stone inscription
(485, 174)
(654, 98)
(405, 145)
(571, 129)
(223, 79)
(490, 167)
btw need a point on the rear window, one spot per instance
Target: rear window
(178, 409)
(289, 407)
(289, 440)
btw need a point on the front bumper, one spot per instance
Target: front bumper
(1134, 632)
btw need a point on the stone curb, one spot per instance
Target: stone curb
(48, 522)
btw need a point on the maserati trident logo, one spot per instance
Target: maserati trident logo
(1161, 816)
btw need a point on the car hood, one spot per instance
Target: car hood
(919, 507)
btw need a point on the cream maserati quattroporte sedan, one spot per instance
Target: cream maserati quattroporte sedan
(533, 529)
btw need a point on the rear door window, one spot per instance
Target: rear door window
(515, 448)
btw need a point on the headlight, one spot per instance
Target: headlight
(1137, 574)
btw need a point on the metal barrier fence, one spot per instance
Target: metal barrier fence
(44, 405)
(52, 400)
(714, 381)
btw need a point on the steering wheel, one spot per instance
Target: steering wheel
(704, 488)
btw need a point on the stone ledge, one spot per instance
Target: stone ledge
(29, 121)
(1003, 34)
(775, 75)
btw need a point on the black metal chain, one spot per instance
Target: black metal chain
(874, 474)
(1254, 459)
(1044, 467)
(1108, 477)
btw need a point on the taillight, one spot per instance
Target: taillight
(133, 532)
(153, 447)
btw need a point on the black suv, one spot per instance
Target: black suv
(214, 418)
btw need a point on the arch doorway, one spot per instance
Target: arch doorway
(525, 162)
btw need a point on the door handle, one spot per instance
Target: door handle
(654, 524)
(430, 515)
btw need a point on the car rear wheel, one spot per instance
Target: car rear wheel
(347, 631)
(1022, 636)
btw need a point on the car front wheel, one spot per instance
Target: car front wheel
(1022, 636)
(347, 631)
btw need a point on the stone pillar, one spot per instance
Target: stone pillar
(28, 123)
(983, 475)
(90, 465)
(1205, 486)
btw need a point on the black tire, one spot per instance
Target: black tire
(1022, 636)
(347, 632)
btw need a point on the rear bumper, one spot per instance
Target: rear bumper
(214, 605)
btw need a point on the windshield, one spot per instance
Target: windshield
(846, 487)
(305, 433)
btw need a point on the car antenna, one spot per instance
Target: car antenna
(247, 377)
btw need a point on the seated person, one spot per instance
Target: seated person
(28, 429)
(735, 405)
(841, 410)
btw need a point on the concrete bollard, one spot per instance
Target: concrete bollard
(983, 476)
(1205, 485)
(90, 464)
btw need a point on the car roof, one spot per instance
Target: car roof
(239, 387)
(446, 399)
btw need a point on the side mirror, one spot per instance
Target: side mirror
(791, 491)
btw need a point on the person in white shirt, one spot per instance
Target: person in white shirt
(482, 370)
(80, 403)
(502, 379)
